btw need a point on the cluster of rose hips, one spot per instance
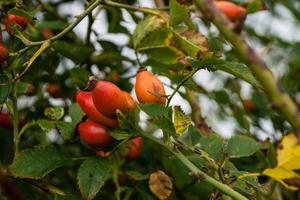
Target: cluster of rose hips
(102, 103)
(12, 20)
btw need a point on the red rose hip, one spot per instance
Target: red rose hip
(94, 134)
(108, 98)
(134, 148)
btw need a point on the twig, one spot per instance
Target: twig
(276, 94)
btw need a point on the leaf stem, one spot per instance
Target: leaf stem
(196, 171)
(181, 83)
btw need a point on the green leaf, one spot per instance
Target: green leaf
(120, 134)
(179, 13)
(221, 96)
(166, 125)
(92, 175)
(5, 87)
(24, 88)
(242, 146)
(145, 27)
(166, 55)
(45, 125)
(38, 162)
(240, 117)
(76, 52)
(213, 145)
(107, 57)
(52, 25)
(66, 129)
(75, 113)
(246, 185)
(10, 1)
(128, 120)
(192, 137)
(159, 45)
(155, 110)
(80, 76)
(238, 70)
(192, 43)
(54, 113)
(115, 18)
(181, 121)
(255, 6)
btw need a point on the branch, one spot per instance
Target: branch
(276, 94)
(195, 171)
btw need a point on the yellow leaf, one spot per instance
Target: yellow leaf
(281, 175)
(288, 152)
(181, 121)
(288, 159)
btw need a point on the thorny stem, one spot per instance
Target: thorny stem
(195, 171)
(276, 94)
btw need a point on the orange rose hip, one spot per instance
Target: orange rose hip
(149, 89)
